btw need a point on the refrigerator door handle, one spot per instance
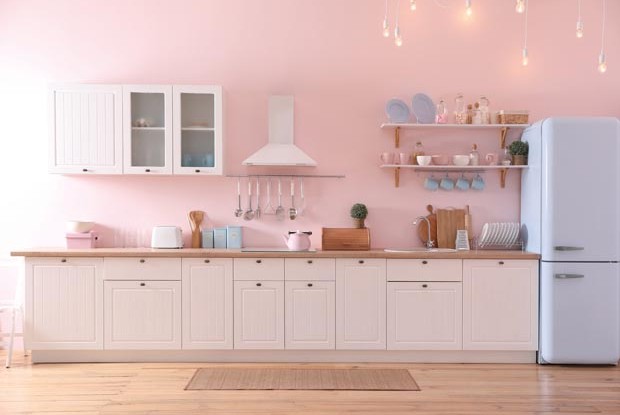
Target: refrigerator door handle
(567, 276)
(569, 248)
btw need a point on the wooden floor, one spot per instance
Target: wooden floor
(140, 388)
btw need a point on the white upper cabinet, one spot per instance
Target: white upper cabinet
(86, 129)
(147, 129)
(198, 127)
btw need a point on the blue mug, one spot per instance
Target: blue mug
(447, 183)
(462, 183)
(431, 183)
(477, 183)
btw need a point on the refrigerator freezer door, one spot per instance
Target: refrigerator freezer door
(580, 189)
(579, 313)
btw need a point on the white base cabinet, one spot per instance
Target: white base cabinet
(64, 304)
(259, 314)
(360, 304)
(310, 317)
(207, 303)
(424, 316)
(500, 305)
(142, 315)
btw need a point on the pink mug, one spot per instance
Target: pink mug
(492, 159)
(404, 158)
(387, 158)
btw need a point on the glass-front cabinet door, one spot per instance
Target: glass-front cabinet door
(197, 130)
(147, 129)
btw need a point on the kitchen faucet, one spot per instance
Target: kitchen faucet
(429, 242)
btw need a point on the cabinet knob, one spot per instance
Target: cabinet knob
(259, 261)
(197, 170)
(84, 170)
(424, 285)
(207, 261)
(361, 261)
(142, 261)
(310, 261)
(63, 260)
(147, 170)
(501, 262)
(142, 284)
(258, 284)
(424, 262)
(309, 284)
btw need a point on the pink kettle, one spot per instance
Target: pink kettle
(297, 240)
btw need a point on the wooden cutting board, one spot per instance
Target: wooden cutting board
(422, 226)
(346, 239)
(448, 221)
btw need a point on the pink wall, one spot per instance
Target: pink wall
(330, 55)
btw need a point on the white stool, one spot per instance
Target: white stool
(15, 306)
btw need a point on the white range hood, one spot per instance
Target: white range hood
(280, 150)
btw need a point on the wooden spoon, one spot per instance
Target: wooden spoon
(195, 220)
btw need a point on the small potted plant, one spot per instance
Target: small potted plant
(359, 212)
(519, 150)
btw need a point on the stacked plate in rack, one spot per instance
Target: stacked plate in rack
(500, 234)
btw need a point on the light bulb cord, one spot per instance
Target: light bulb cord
(386, 10)
(603, 28)
(578, 10)
(527, 8)
(397, 12)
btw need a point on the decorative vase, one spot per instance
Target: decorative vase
(359, 223)
(519, 160)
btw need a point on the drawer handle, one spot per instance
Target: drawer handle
(258, 284)
(63, 260)
(309, 284)
(424, 285)
(142, 284)
(142, 261)
(310, 261)
(207, 261)
(259, 261)
(147, 170)
(501, 262)
(85, 170)
(424, 262)
(197, 170)
(361, 261)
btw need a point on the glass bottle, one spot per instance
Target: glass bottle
(476, 117)
(507, 159)
(474, 156)
(441, 116)
(418, 151)
(485, 111)
(470, 113)
(459, 109)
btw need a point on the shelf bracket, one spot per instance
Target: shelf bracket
(397, 138)
(502, 177)
(397, 177)
(502, 137)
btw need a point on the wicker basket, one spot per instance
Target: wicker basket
(512, 117)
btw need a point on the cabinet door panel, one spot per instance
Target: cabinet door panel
(360, 303)
(207, 304)
(85, 129)
(142, 314)
(424, 316)
(64, 304)
(259, 314)
(310, 315)
(500, 305)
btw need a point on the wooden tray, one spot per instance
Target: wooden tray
(346, 239)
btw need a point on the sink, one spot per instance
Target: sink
(420, 250)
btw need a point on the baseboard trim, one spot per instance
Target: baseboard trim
(282, 356)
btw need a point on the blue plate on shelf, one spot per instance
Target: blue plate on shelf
(424, 109)
(397, 111)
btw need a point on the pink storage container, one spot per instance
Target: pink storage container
(81, 240)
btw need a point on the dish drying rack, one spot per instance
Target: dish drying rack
(500, 236)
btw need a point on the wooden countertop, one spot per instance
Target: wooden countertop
(236, 253)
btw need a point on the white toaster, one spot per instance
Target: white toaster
(169, 237)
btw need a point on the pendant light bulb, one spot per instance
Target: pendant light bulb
(386, 28)
(398, 38)
(579, 31)
(412, 5)
(602, 63)
(524, 57)
(520, 7)
(468, 10)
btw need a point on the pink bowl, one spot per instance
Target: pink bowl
(441, 160)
